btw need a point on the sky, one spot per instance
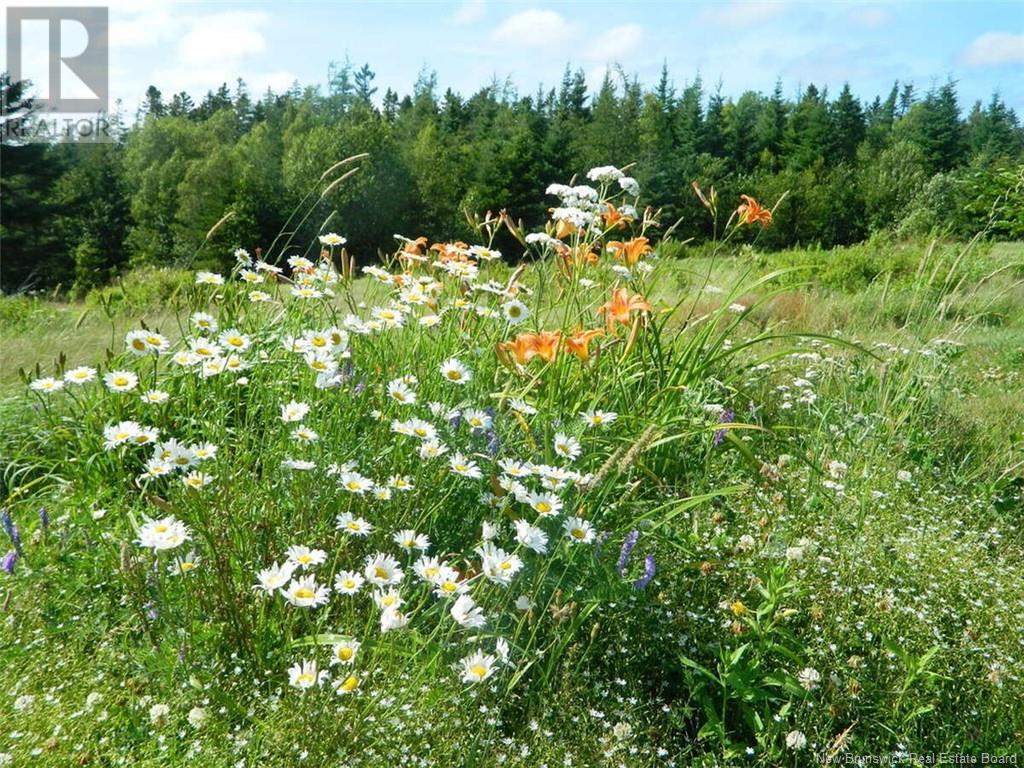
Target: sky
(744, 44)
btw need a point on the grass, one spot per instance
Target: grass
(826, 480)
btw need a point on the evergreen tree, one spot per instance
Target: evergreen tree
(849, 126)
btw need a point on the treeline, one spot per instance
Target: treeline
(75, 214)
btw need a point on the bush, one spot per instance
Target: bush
(141, 288)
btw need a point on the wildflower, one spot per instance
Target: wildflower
(515, 311)
(545, 504)
(400, 483)
(8, 561)
(579, 343)
(347, 685)
(304, 434)
(497, 565)
(629, 185)
(345, 651)
(598, 418)
(121, 381)
(521, 407)
(158, 713)
(808, 677)
(355, 526)
(353, 482)
(464, 467)
(273, 578)
(196, 479)
(567, 447)
(304, 592)
(751, 212)
(523, 603)
(166, 533)
(209, 278)
(47, 384)
(321, 362)
(418, 428)
(305, 675)
(409, 539)
(578, 530)
(400, 392)
(154, 397)
(605, 174)
(836, 469)
(432, 450)
(382, 570)
(204, 322)
(392, 618)
(80, 375)
(631, 251)
(144, 342)
(184, 564)
(348, 582)
(522, 348)
(332, 239)
(477, 667)
(233, 339)
(650, 568)
(531, 537)
(619, 308)
(456, 372)
(304, 557)
(514, 468)
(725, 417)
(796, 740)
(197, 717)
(628, 543)
(204, 452)
(467, 613)
(478, 420)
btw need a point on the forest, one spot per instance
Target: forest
(912, 161)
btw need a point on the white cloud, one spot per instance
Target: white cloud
(616, 43)
(142, 24)
(469, 11)
(743, 13)
(534, 29)
(223, 37)
(993, 49)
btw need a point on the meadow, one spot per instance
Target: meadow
(621, 501)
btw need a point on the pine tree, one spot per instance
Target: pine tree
(848, 122)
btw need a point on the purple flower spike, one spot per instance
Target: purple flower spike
(650, 568)
(7, 523)
(727, 417)
(627, 550)
(44, 518)
(8, 562)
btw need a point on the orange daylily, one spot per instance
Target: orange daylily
(613, 217)
(563, 229)
(546, 344)
(456, 251)
(621, 305)
(751, 212)
(521, 348)
(526, 346)
(630, 251)
(579, 343)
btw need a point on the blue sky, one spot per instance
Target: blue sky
(746, 44)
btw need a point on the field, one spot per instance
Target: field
(616, 506)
